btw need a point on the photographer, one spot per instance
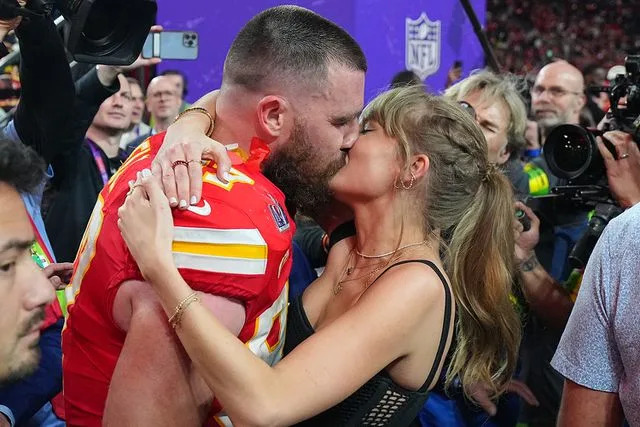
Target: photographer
(102, 113)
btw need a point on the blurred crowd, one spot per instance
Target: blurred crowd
(527, 34)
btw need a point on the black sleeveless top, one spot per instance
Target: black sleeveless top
(379, 402)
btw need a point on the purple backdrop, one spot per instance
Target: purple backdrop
(378, 25)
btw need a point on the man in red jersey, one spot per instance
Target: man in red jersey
(291, 94)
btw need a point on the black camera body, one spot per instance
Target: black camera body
(109, 32)
(571, 151)
(572, 154)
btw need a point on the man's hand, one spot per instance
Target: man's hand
(623, 173)
(526, 241)
(185, 141)
(107, 74)
(480, 394)
(59, 274)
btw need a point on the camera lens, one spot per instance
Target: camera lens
(572, 152)
(569, 151)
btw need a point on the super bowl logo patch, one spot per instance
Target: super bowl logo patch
(422, 50)
(279, 216)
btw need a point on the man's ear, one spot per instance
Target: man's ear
(581, 102)
(503, 155)
(273, 116)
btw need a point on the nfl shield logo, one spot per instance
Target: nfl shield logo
(423, 46)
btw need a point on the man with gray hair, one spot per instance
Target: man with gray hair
(499, 108)
(502, 117)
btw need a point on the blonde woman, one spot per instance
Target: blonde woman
(367, 340)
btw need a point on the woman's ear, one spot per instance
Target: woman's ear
(419, 165)
(273, 113)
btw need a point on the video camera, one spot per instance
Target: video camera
(571, 152)
(109, 32)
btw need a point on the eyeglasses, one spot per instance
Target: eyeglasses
(553, 91)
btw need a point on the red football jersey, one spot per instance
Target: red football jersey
(236, 243)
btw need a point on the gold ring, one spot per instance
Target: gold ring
(624, 156)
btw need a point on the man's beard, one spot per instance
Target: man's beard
(21, 369)
(301, 174)
(547, 123)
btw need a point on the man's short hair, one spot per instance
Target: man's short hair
(20, 166)
(134, 81)
(505, 87)
(178, 73)
(405, 78)
(287, 44)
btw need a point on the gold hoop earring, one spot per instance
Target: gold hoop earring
(405, 186)
(410, 186)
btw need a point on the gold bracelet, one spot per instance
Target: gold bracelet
(176, 318)
(203, 111)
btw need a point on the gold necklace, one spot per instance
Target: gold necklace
(337, 288)
(410, 245)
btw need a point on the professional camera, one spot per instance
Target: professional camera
(571, 151)
(108, 32)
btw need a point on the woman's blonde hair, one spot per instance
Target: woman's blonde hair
(468, 200)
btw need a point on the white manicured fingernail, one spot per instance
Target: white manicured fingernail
(230, 147)
(173, 201)
(194, 200)
(226, 176)
(146, 173)
(183, 204)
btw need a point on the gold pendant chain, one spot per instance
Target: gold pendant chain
(410, 245)
(348, 270)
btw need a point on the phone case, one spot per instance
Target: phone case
(171, 45)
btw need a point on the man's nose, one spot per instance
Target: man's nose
(352, 135)
(40, 290)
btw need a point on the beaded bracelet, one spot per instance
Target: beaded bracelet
(200, 110)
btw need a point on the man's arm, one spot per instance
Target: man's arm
(593, 376)
(47, 95)
(153, 362)
(546, 297)
(583, 407)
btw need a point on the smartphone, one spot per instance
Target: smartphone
(171, 45)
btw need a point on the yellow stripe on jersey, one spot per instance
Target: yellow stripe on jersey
(223, 250)
(233, 251)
